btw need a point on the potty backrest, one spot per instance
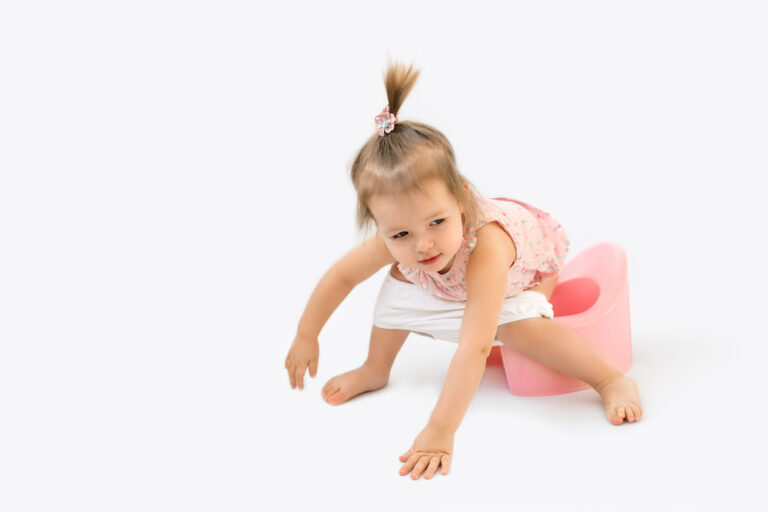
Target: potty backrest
(591, 282)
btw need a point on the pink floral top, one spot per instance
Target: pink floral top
(539, 239)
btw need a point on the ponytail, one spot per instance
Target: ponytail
(399, 80)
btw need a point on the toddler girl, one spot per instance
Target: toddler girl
(464, 268)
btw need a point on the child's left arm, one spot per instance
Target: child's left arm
(486, 281)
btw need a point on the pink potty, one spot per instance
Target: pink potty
(592, 299)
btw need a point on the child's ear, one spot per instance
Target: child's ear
(469, 195)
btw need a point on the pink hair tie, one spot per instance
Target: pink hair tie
(385, 122)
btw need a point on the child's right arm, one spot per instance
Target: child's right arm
(353, 268)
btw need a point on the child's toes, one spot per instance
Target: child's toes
(329, 391)
(337, 397)
(614, 415)
(630, 414)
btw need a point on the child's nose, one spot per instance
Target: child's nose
(424, 244)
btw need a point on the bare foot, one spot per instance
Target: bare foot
(347, 385)
(621, 400)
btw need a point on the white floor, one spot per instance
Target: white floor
(173, 183)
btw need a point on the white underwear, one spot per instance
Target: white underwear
(402, 305)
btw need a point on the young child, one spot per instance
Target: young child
(464, 268)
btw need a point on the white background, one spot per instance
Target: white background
(174, 182)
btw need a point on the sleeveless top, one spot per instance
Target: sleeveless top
(539, 239)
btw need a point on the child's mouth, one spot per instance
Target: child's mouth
(430, 260)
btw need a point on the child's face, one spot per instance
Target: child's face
(417, 227)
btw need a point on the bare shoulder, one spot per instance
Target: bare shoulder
(364, 260)
(492, 242)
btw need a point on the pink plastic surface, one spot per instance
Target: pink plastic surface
(592, 299)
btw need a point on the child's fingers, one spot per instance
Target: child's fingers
(407, 454)
(409, 464)
(406, 468)
(290, 366)
(420, 466)
(299, 375)
(432, 467)
(313, 368)
(446, 462)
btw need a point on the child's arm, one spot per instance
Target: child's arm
(353, 268)
(486, 281)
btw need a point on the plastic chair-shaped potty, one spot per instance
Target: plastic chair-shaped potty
(592, 299)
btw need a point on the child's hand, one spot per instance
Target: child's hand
(304, 352)
(431, 449)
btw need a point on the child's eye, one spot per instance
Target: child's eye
(403, 233)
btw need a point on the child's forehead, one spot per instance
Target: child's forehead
(411, 206)
(433, 193)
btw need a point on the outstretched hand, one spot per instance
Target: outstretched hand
(304, 353)
(431, 450)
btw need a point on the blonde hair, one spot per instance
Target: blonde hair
(385, 165)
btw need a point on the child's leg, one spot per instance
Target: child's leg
(558, 347)
(374, 373)
(384, 347)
